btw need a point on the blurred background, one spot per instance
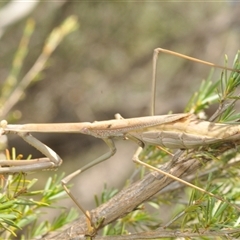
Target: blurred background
(105, 67)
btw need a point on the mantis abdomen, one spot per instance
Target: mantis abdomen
(188, 132)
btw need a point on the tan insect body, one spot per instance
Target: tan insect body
(175, 131)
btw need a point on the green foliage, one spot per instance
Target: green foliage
(220, 92)
(21, 207)
(205, 96)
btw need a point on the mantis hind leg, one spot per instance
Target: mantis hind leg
(137, 160)
(156, 52)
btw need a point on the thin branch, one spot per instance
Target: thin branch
(55, 37)
(163, 233)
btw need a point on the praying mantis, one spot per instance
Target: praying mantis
(174, 131)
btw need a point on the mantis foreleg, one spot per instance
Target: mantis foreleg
(52, 161)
